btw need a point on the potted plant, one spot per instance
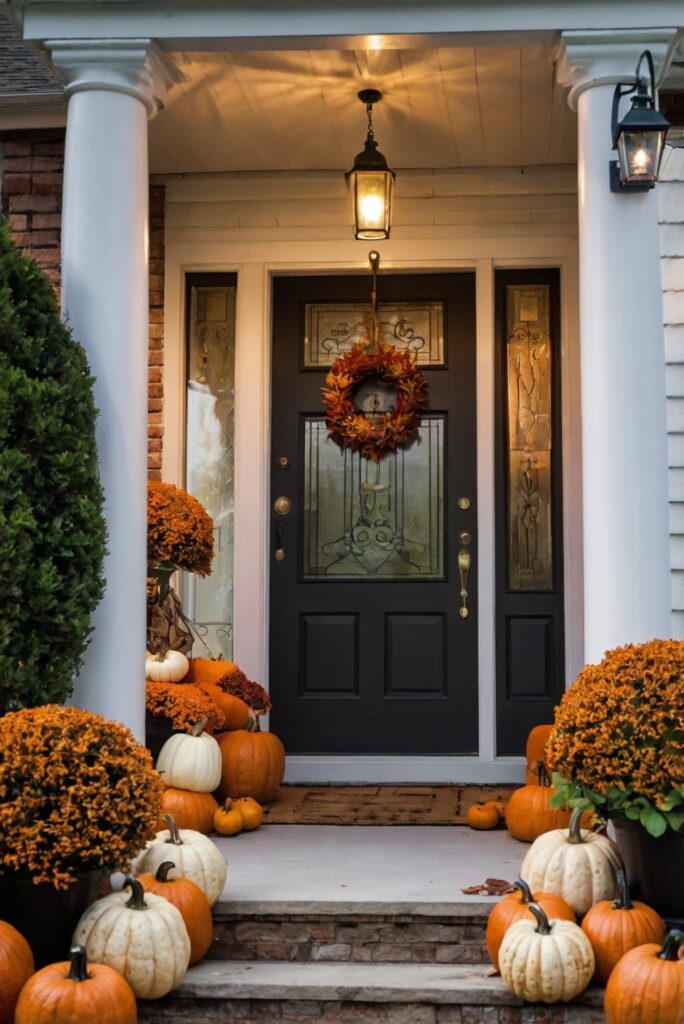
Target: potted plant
(52, 541)
(176, 708)
(618, 747)
(78, 796)
(180, 535)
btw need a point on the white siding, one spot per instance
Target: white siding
(671, 215)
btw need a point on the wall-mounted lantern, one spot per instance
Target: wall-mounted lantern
(639, 137)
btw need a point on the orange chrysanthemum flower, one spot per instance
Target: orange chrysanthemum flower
(76, 793)
(619, 730)
(184, 704)
(246, 689)
(180, 533)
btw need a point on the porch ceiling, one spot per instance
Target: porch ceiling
(297, 110)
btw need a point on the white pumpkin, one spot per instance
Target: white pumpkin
(577, 865)
(546, 961)
(142, 936)
(169, 667)
(191, 761)
(195, 856)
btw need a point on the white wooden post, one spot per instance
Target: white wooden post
(624, 432)
(112, 88)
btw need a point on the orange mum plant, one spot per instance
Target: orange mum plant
(180, 533)
(618, 741)
(77, 793)
(184, 704)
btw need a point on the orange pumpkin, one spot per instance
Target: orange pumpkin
(253, 764)
(251, 811)
(16, 967)
(76, 992)
(535, 749)
(529, 813)
(190, 810)
(499, 804)
(483, 816)
(189, 899)
(514, 907)
(615, 926)
(228, 820)
(647, 985)
(234, 710)
(207, 670)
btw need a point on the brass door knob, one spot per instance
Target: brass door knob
(282, 505)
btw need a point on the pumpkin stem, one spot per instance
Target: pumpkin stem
(252, 723)
(624, 900)
(137, 900)
(542, 774)
(524, 889)
(78, 968)
(543, 925)
(163, 870)
(199, 727)
(175, 837)
(673, 940)
(575, 832)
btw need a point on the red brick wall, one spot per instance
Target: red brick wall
(32, 165)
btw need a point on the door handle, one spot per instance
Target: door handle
(280, 541)
(463, 570)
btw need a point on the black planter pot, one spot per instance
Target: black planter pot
(655, 867)
(45, 916)
(158, 728)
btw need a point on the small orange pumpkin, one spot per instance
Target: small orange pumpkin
(16, 967)
(208, 670)
(190, 810)
(535, 749)
(529, 813)
(483, 816)
(189, 899)
(500, 806)
(251, 811)
(514, 907)
(78, 993)
(647, 985)
(253, 764)
(228, 820)
(235, 711)
(615, 926)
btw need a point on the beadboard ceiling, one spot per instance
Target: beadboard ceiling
(297, 110)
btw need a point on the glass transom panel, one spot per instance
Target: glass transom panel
(375, 521)
(332, 328)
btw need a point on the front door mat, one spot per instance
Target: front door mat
(379, 805)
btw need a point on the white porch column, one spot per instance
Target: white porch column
(112, 88)
(624, 433)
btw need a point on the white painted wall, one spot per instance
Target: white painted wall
(671, 216)
(260, 225)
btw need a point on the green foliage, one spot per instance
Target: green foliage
(623, 802)
(52, 531)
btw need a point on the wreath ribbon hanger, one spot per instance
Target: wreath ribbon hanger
(351, 427)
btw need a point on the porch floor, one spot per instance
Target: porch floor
(385, 869)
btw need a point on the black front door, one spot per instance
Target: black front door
(373, 567)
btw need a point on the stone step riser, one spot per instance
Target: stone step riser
(259, 1011)
(355, 939)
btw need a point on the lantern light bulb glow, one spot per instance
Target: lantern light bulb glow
(372, 210)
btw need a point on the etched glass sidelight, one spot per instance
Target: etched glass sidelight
(209, 456)
(528, 370)
(366, 520)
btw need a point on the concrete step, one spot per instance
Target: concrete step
(352, 932)
(356, 993)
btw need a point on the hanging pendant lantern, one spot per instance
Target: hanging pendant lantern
(371, 182)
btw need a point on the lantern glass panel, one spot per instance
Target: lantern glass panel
(372, 199)
(640, 153)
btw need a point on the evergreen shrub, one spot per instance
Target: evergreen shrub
(52, 530)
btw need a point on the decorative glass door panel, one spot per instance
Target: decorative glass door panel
(370, 649)
(379, 521)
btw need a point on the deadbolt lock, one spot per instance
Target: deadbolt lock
(465, 537)
(283, 462)
(464, 503)
(282, 505)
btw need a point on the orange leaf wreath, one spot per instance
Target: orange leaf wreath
(372, 435)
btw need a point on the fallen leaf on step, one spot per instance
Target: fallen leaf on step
(490, 887)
